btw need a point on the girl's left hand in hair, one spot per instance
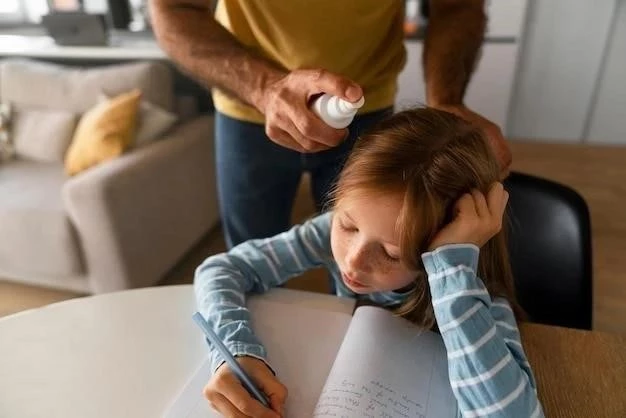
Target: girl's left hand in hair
(476, 219)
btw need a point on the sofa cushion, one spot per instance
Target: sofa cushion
(27, 83)
(152, 122)
(37, 235)
(43, 134)
(104, 133)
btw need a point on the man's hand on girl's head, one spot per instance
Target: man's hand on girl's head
(492, 131)
(476, 219)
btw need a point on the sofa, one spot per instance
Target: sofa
(123, 223)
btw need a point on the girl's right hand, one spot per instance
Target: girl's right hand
(228, 396)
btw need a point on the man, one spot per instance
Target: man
(266, 60)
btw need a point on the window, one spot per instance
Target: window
(11, 11)
(22, 11)
(10, 7)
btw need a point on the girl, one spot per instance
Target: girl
(417, 199)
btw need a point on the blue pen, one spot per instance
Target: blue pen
(230, 360)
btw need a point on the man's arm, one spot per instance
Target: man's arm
(453, 38)
(189, 34)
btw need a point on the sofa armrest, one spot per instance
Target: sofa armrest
(137, 215)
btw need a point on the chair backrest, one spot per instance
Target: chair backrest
(549, 233)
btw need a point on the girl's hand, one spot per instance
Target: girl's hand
(476, 219)
(227, 395)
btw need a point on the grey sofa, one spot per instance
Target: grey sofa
(118, 225)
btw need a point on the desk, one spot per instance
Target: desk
(128, 354)
(579, 373)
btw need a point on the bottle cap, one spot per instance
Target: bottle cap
(349, 108)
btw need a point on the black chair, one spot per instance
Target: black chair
(549, 232)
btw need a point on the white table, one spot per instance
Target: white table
(124, 354)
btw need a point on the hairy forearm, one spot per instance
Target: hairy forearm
(189, 34)
(454, 35)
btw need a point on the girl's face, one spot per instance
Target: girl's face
(365, 243)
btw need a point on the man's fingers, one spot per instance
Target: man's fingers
(306, 143)
(290, 137)
(504, 173)
(283, 139)
(500, 147)
(312, 128)
(327, 82)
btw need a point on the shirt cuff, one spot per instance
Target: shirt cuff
(238, 350)
(450, 255)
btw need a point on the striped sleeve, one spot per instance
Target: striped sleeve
(222, 281)
(488, 369)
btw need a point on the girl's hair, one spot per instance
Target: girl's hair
(432, 158)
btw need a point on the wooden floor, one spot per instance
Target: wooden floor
(598, 173)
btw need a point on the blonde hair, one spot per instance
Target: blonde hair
(432, 158)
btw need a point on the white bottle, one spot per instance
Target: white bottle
(336, 112)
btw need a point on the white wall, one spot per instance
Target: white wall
(608, 119)
(96, 6)
(559, 65)
(489, 91)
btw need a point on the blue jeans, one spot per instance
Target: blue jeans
(258, 179)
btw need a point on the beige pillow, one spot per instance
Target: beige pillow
(7, 149)
(42, 134)
(37, 84)
(104, 132)
(153, 121)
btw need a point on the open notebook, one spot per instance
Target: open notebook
(370, 364)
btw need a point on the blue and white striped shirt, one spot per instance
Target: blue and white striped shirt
(488, 369)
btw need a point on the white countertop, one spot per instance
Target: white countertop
(120, 48)
(124, 354)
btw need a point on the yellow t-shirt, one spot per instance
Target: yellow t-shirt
(359, 39)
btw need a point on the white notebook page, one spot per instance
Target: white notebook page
(302, 344)
(387, 368)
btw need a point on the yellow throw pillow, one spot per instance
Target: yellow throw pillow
(104, 132)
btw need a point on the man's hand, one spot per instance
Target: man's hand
(492, 131)
(289, 121)
(476, 220)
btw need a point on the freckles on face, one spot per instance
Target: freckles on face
(365, 243)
